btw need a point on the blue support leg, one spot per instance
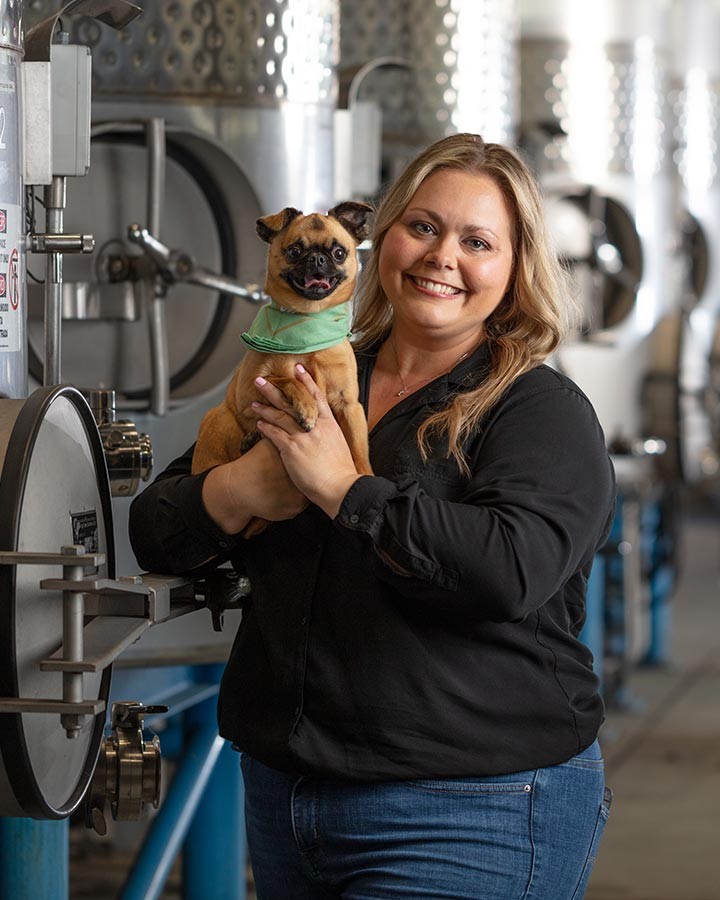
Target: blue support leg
(168, 829)
(593, 631)
(214, 854)
(661, 587)
(33, 859)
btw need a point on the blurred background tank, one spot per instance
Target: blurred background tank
(596, 123)
(595, 119)
(439, 68)
(683, 399)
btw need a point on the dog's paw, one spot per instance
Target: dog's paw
(249, 441)
(306, 415)
(307, 420)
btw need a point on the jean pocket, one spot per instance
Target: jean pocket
(602, 817)
(517, 783)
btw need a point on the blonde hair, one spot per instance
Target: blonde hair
(538, 309)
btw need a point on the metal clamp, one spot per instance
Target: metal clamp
(60, 243)
(221, 591)
(128, 453)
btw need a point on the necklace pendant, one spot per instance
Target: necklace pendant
(400, 393)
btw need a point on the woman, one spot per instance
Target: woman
(416, 714)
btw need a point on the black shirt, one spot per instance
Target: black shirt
(430, 630)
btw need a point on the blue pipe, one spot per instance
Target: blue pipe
(214, 853)
(214, 863)
(170, 825)
(593, 631)
(33, 859)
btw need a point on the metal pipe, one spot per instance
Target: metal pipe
(54, 195)
(73, 643)
(159, 356)
(157, 316)
(155, 137)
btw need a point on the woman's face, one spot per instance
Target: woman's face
(446, 263)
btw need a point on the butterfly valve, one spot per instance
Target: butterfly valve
(128, 773)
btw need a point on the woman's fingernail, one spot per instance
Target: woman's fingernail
(260, 380)
(300, 367)
(255, 404)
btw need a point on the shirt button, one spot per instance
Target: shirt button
(303, 621)
(354, 519)
(297, 710)
(223, 544)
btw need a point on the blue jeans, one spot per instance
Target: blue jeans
(527, 836)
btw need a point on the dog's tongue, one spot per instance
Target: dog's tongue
(313, 282)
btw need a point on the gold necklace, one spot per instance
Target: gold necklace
(406, 387)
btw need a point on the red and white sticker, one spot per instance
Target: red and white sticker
(12, 327)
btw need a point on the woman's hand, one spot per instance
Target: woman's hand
(319, 461)
(255, 484)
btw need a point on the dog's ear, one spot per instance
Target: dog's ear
(269, 226)
(353, 217)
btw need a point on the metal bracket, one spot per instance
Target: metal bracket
(122, 609)
(31, 558)
(40, 705)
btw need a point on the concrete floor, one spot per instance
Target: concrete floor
(662, 841)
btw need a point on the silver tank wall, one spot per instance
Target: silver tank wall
(13, 310)
(259, 76)
(461, 70)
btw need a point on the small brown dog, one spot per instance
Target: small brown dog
(311, 273)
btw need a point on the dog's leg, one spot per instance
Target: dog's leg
(220, 439)
(352, 421)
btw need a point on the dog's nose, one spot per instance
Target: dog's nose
(318, 259)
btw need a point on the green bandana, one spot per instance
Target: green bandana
(282, 331)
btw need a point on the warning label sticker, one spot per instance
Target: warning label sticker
(11, 326)
(85, 529)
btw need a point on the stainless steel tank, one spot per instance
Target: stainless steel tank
(462, 73)
(247, 90)
(595, 118)
(13, 310)
(685, 404)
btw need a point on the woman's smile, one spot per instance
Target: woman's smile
(434, 287)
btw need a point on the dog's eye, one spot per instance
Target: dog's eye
(339, 253)
(293, 252)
